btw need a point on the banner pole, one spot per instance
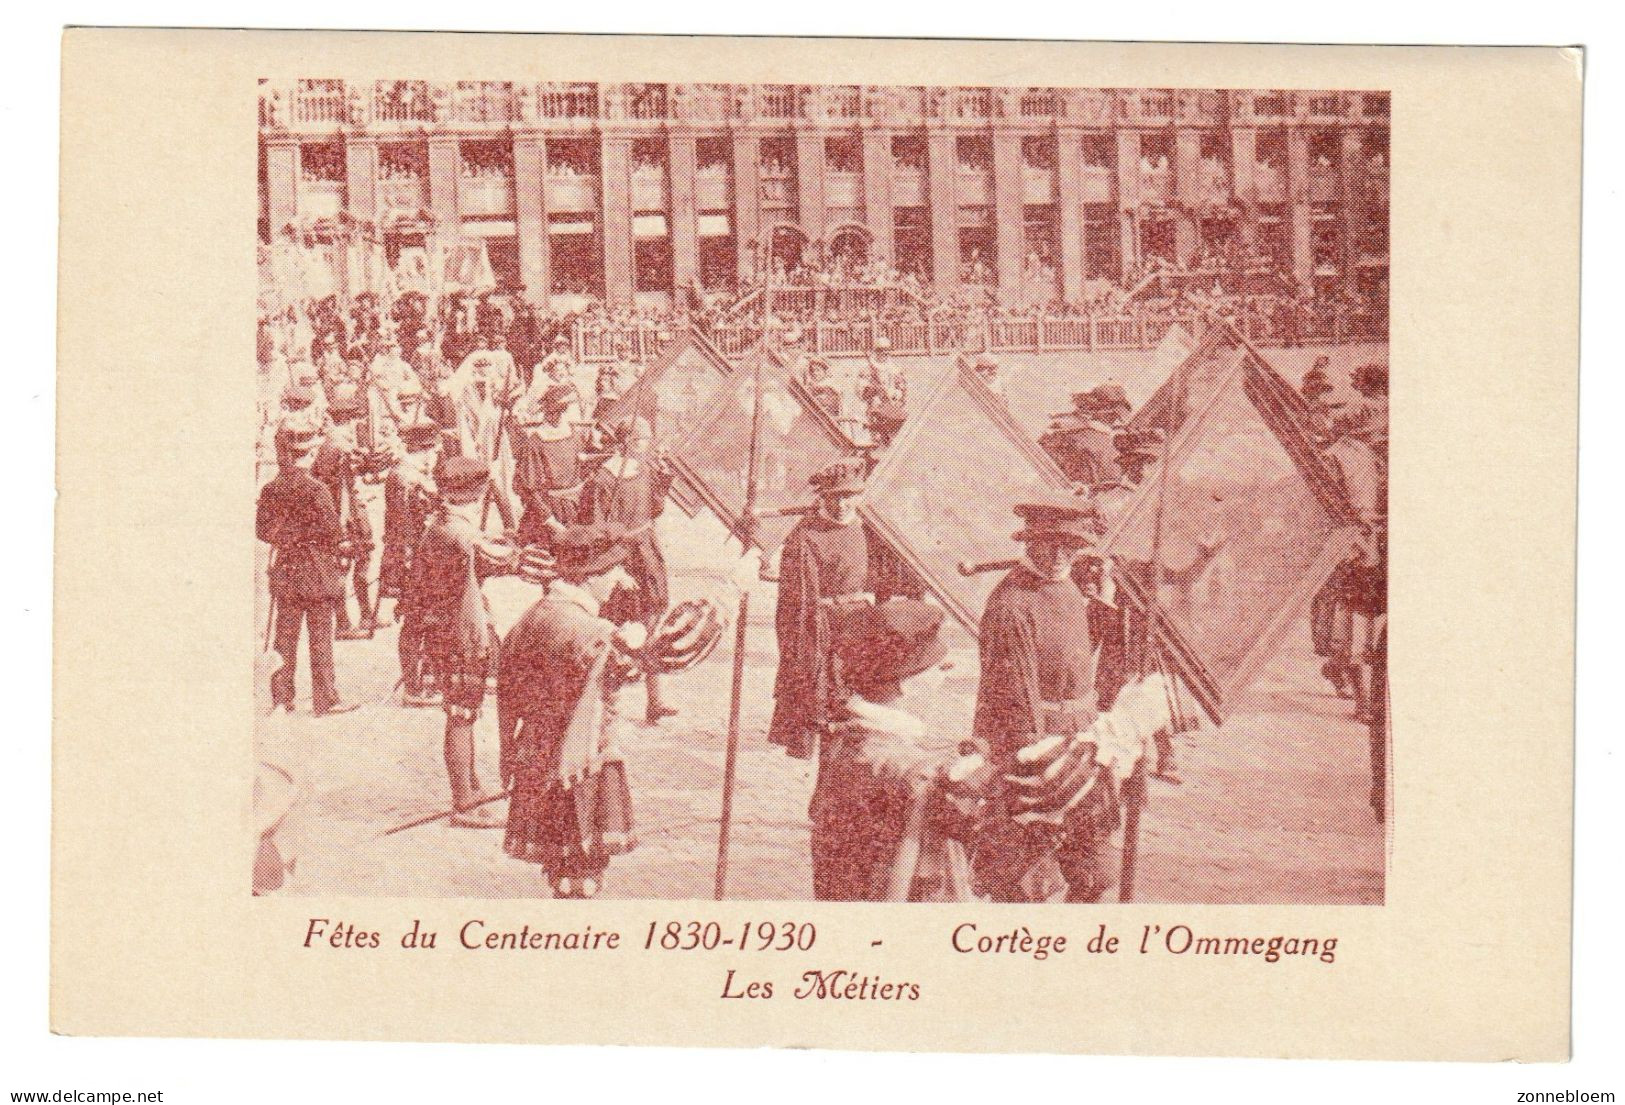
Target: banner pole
(747, 527)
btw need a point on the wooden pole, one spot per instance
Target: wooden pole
(747, 528)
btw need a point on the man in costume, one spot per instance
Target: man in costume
(296, 515)
(563, 664)
(547, 462)
(339, 464)
(1037, 681)
(823, 572)
(450, 560)
(397, 393)
(410, 500)
(628, 492)
(558, 367)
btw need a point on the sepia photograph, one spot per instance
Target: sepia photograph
(836, 492)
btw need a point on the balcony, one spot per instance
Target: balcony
(1202, 107)
(1037, 185)
(572, 193)
(969, 105)
(903, 104)
(908, 188)
(778, 191)
(1097, 184)
(402, 103)
(482, 103)
(703, 103)
(319, 103)
(1091, 106)
(778, 101)
(407, 194)
(320, 199)
(973, 187)
(1038, 103)
(843, 189)
(841, 103)
(1152, 108)
(486, 196)
(649, 189)
(1265, 106)
(1326, 107)
(573, 100)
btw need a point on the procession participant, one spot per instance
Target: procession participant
(878, 768)
(823, 392)
(397, 393)
(410, 499)
(451, 558)
(477, 393)
(547, 464)
(559, 366)
(1038, 680)
(824, 571)
(563, 665)
(987, 371)
(628, 491)
(338, 464)
(885, 393)
(297, 517)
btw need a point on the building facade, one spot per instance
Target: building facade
(637, 194)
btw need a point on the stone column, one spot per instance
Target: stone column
(616, 166)
(810, 184)
(361, 178)
(1188, 190)
(1352, 203)
(1243, 156)
(1128, 195)
(1069, 210)
(530, 206)
(747, 214)
(1297, 176)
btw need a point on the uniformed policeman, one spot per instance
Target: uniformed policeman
(339, 463)
(450, 560)
(410, 500)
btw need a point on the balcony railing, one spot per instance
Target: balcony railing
(576, 100)
(1038, 103)
(402, 102)
(970, 103)
(778, 101)
(319, 102)
(483, 102)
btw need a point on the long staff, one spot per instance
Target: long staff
(747, 525)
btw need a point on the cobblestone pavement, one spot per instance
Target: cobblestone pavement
(1273, 808)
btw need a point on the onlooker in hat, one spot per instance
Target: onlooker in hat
(410, 499)
(338, 464)
(1038, 679)
(296, 515)
(878, 767)
(451, 558)
(824, 570)
(987, 371)
(563, 664)
(1369, 420)
(628, 491)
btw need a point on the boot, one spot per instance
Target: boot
(465, 796)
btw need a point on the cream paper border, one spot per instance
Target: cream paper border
(153, 932)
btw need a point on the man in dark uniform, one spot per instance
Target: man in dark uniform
(450, 560)
(823, 570)
(410, 499)
(547, 464)
(1038, 680)
(338, 463)
(297, 517)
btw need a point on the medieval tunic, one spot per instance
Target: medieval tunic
(631, 503)
(571, 808)
(1037, 678)
(821, 560)
(872, 833)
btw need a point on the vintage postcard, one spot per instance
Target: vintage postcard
(818, 543)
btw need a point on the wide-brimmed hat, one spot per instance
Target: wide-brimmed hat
(1058, 520)
(462, 479)
(890, 641)
(844, 477)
